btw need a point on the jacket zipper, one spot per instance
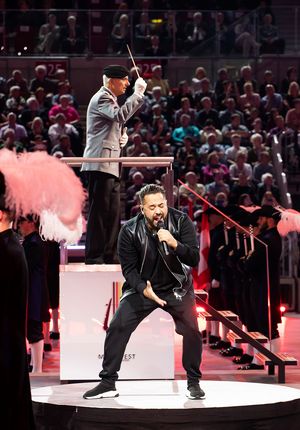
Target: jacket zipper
(144, 258)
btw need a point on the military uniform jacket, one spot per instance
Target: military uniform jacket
(105, 123)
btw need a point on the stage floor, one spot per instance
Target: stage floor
(163, 404)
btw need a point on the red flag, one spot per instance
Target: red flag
(201, 274)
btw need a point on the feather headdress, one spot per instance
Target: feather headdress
(40, 184)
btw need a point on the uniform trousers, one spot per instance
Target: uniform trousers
(103, 218)
(131, 311)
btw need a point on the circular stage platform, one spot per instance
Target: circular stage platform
(163, 405)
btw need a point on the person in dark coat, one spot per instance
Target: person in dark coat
(156, 250)
(15, 398)
(38, 299)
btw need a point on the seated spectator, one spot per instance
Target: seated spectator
(168, 32)
(268, 199)
(246, 75)
(235, 127)
(186, 150)
(196, 32)
(120, 35)
(221, 200)
(268, 80)
(137, 126)
(280, 129)
(258, 129)
(228, 92)
(61, 127)
(158, 99)
(186, 129)
(160, 130)
(31, 111)
(41, 81)
(149, 172)
(18, 79)
(37, 129)
(71, 114)
(191, 164)
(291, 76)
(249, 99)
(71, 37)
(200, 73)
(185, 108)
(132, 190)
(208, 129)
(15, 102)
(64, 146)
(257, 148)
(207, 112)
(20, 131)
(205, 91)
(267, 184)
(244, 200)
(48, 38)
(225, 115)
(292, 94)
(154, 50)
(292, 118)
(44, 100)
(219, 84)
(138, 147)
(244, 39)
(271, 100)
(8, 141)
(182, 90)
(191, 180)
(157, 81)
(225, 34)
(214, 166)
(242, 187)
(269, 38)
(217, 186)
(163, 148)
(142, 33)
(232, 151)
(262, 166)
(240, 166)
(64, 88)
(210, 146)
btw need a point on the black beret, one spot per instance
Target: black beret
(115, 71)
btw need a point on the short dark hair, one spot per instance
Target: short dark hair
(151, 189)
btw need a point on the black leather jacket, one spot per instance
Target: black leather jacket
(137, 260)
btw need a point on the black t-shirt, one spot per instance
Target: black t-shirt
(161, 278)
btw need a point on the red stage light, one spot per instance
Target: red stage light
(200, 309)
(282, 309)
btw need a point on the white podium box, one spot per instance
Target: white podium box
(89, 296)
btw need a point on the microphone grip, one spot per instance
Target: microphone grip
(165, 247)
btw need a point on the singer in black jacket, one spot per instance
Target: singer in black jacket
(154, 279)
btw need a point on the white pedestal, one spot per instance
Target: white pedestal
(88, 299)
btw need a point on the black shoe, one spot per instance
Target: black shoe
(231, 352)
(213, 339)
(94, 261)
(252, 366)
(102, 390)
(54, 335)
(194, 391)
(47, 347)
(221, 344)
(244, 359)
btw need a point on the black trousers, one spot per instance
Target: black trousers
(103, 218)
(131, 311)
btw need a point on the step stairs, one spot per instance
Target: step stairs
(233, 337)
(231, 316)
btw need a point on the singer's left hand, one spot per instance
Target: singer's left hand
(165, 236)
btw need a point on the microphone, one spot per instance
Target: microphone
(160, 225)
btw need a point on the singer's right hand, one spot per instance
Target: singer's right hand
(150, 294)
(140, 86)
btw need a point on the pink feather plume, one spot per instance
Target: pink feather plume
(38, 183)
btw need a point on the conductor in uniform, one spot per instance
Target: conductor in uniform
(106, 134)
